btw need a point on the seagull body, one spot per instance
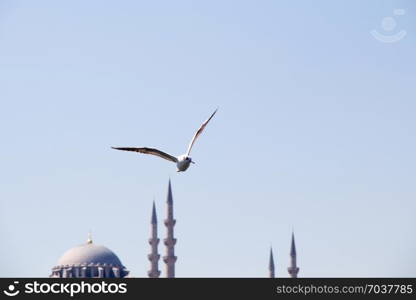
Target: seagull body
(182, 161)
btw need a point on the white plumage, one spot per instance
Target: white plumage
(182, 161)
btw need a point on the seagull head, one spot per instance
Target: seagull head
(189, 159)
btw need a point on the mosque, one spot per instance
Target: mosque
(93, 261)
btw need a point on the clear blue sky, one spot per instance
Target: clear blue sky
(316, 131)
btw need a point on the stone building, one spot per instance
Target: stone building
(93, 261)
(89, 261)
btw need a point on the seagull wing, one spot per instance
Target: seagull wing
(198, 132)
(149, 151)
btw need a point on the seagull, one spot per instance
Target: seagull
(182, 161)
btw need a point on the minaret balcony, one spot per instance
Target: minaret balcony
(153, 257)
(170, 222)
(169, 242)
(170, 259)
(153, 241)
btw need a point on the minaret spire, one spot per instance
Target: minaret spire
(271, 264)
(154, 241)
(293, 269)
(170, 241)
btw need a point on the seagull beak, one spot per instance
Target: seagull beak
(192, 162)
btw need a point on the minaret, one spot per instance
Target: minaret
(293, 269)
(271, 264)
(170, 241)
(154, 241)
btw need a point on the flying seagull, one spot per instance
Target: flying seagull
(182, 161)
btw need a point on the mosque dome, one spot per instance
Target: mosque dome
(89, 260)
(89, 253)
